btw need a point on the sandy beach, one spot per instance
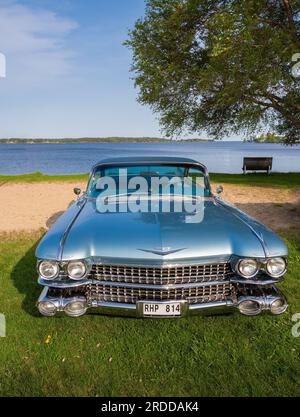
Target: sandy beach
(30, 207)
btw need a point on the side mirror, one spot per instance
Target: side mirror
(77, 191)
(219, 189)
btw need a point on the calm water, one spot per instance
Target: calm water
(72, 158)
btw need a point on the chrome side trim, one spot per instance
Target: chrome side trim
(80, 203)
(257, 234)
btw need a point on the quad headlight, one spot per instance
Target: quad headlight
(276, 267)
(248, 268)
(48, 269)
(76, 270)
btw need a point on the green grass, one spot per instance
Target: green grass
(39, 177)
(102, 356)
(291, 180)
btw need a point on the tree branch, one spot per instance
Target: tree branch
(261, 103)
(282, 110)
(276, 106)
(283, 101)
(290, 16)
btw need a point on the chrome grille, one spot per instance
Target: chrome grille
(162, 276)
(121, 294)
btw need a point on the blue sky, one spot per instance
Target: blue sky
(67, 71)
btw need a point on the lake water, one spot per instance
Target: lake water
(72, 158)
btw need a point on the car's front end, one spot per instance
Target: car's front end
(159, 264)
(171, 290)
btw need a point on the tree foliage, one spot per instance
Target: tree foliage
(220, 66)
(268, 138)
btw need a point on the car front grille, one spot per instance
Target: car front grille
(127, 294)
(162, 276)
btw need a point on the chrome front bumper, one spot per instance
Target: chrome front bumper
(264, 303)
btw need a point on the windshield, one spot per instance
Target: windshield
(152, 180)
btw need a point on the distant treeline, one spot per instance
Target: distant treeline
(269, 138)
(83, 140)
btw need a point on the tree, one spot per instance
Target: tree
(268, 138)
(223, 66)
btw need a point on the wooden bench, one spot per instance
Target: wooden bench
(257, 164)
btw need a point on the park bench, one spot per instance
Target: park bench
(257, 164)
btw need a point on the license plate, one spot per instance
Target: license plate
(161, 309)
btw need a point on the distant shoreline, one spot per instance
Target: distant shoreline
(18, 141)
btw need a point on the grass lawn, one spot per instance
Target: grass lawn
(102, 356)
(39, 177)
(291, 180)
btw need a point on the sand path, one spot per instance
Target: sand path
(29, 207)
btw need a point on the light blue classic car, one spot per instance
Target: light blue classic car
(125, 249)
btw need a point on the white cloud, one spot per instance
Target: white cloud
(33, 41)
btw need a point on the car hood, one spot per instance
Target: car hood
(162, 238)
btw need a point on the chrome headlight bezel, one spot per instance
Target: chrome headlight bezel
(52, 263)
(280, 308)
(76, 307)
(283, 271)
(77, 264)
(47, 308)
(240, 272)
(250, 307)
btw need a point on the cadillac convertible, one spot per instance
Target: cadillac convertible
(156, 262)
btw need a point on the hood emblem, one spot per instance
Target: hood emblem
(162, 251)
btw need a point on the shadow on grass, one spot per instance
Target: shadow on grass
(24, 277)
(24, 274)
